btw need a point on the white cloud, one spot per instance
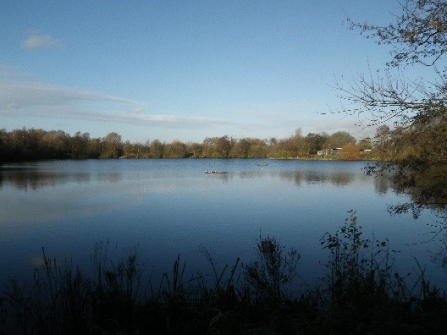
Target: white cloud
(25, 99)
(12, 106)
(164, 120)
(29, 103)
(32, 94)
(7, 71)
(35, 41)
(138, 110)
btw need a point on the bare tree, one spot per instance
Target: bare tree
(418, 36)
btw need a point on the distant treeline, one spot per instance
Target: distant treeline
(37, 144)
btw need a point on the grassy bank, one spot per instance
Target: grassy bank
(360, 294)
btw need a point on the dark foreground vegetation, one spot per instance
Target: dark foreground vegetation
(360, 294)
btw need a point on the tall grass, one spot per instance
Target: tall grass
(360, 293)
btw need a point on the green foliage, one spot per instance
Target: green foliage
(176, 149)
(112, 146)
(339, 139)
(156, 149)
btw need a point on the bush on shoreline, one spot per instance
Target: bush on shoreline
(360, 293)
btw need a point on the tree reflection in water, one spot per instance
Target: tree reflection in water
(425, 184)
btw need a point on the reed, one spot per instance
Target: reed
(360, 293)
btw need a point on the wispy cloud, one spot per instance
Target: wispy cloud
(12, 105)
(170, 121)
(28, 100)
(33, 99)
(23, 94)
(138, 110)
(12, 72)
(37, 41)
(7, 71)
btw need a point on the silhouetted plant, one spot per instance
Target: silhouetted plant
(224, 302)
(359, 268)
(117, 292)
(58, 301)
(224, 286)
(360, 294)
(268, 275)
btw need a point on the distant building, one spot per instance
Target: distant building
(326, 152)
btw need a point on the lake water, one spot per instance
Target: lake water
(171, 207)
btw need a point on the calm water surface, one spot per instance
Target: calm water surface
(170, 207)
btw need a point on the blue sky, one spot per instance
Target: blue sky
(184, 70)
